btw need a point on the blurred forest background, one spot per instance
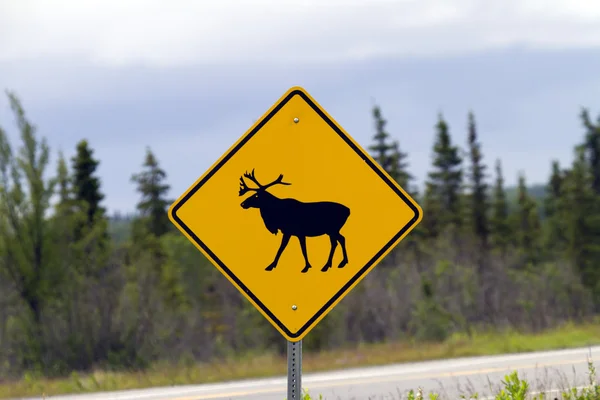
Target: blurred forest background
(80, 289)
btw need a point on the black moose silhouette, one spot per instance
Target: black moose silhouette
(296, 218)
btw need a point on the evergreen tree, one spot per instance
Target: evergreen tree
(66, 220)
(554, 213)
(553, 190)
(592, 147)
(85, 184)
(64, 183)
(149, 245)
(478, 212)
(72, 258)
(399, 168)
(500, 227)
(153, 205)
(478, 187)
(583, 221)
(381, 148)
(445, 181)
(89, 224)
(527, 222)
(431, 225)
(388, 155)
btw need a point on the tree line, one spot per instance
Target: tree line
(74, 296)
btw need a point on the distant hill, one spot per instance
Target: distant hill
(119, 227)
(537, 191)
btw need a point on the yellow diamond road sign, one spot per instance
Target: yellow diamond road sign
(295, 214)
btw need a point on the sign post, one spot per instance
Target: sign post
(300, 176)
(294, 370)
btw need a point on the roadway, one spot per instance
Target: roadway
(545, 370)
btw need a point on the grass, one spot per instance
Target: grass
(264, 365)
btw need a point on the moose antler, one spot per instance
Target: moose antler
(252, 178)
(245, 189)
(277, 182)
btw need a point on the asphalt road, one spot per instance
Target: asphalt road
(450, 378)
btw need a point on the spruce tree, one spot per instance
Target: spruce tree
(478, 212)
(153, 205)
(553, 190)
(431, 226)
(500, 225)
(148, 230)
(91, 222)
(554, 212)
(381, 148)
(399, 168)
(583, 221)
(592, 147)
(445, 180)
(86, 185)
(388, 154)
(478, 187)
(527, 223)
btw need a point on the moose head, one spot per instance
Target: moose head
(260, 195)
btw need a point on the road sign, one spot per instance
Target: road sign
(313, 214)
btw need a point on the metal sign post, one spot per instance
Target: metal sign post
(294, 370)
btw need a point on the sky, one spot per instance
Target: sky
(188, 78)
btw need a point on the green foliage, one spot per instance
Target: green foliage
(306, 396)
(444, 184)
(418, 395)
(86, 185)
(479, 207)
(81, 291)
(24, 230)
(514, 388)
(153, 205)
(388, 154)
(527, 226)
(590, 392)
(500, 225)
(583, 221)
(556, 212)
(431, 322)
(591, 147)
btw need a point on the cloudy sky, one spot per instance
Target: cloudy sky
(187, 78)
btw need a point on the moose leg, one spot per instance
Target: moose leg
(333, 240)
(284, 242)
(342, 241)
(302, 240)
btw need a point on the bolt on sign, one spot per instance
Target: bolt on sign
(295, 214)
